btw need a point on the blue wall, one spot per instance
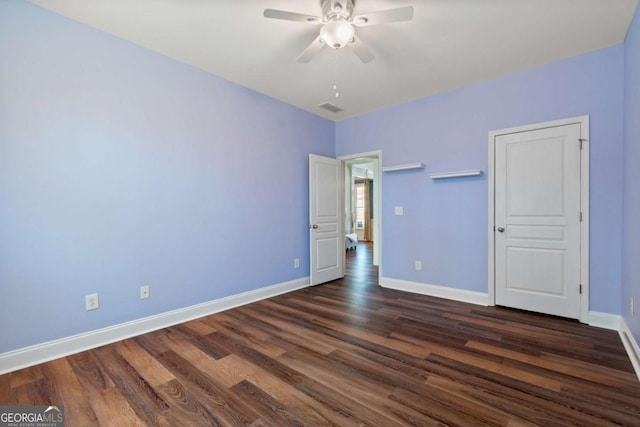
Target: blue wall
(631, 207)
(120, 167)
(445, 223)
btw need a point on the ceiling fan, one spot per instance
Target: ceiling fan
(337, 26)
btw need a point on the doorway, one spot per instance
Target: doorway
(538, 218)
(362, 218)
(331, 184)
(362, 199)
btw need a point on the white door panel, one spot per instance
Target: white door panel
(535, 270)
(534, 176)
(537, 219)
(326, 258)
(325, 216)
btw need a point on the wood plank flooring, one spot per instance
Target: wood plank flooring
(346, 353)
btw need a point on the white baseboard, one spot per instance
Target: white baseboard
(631, 345)
(604, 320)
(51, 350)
(479, 298)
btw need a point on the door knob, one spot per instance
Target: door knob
(314, 226)
(501, 229)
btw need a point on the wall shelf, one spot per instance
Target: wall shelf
(407, 167)
(456, 174)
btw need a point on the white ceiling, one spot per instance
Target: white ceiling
(448, 44)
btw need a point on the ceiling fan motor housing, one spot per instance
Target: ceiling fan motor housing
(337, 26)
(336, 9)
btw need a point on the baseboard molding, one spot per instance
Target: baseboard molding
(478, 298)
(631, 345)
(33, 355)
(604, 320)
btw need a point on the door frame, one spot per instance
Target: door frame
(583, 121)
(377, 201)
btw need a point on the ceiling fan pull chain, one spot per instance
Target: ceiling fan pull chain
(335, 74)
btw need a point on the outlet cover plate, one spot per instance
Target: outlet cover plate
(144, 292)
(91, 302)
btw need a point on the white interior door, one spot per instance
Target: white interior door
(326, 184)
(537, 220)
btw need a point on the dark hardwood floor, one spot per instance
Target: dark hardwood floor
(346, 353)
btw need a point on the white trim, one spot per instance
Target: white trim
(51, 350)
(491, 252)
(462, 295)
(456, 174)
(584, 205)
(364, 155)
(584, 208)
(406, 167)
(631, 345)
(605, 320)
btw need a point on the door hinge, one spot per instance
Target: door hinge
(581, 140)
(580, 216)
(581, 289)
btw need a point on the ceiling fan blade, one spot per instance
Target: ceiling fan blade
(292, 16)
(384, 16)
(311, 50)
(361, 51)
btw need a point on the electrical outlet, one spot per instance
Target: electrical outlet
(398, 210)
(91, 302)
(296, 263)
(144, 292)
(418, 265)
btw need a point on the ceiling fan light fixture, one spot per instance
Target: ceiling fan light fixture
(360, 20)
(337, 34)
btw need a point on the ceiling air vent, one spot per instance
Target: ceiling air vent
(330, 107)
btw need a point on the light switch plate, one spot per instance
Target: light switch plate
(399, 210)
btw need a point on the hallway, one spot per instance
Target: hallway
(359, 267)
